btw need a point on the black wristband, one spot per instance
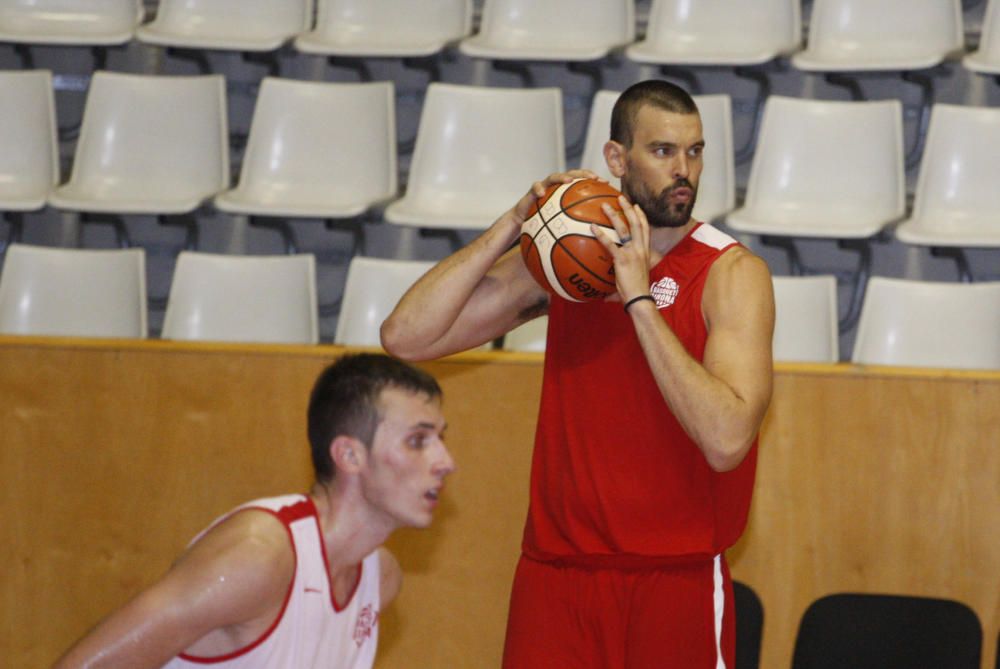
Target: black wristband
(637, 299)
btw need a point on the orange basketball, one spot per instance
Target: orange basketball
(558, 246)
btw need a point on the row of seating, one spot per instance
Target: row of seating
(74, 292)
(843, 34)
(868, 631)
(327, 150)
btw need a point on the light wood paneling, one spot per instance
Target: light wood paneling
(115, 453)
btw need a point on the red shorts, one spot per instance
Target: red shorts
(575, 618)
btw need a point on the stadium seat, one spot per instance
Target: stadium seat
(803, 184)
(986, 58)
(76, 22)
(957, 203)
(386, 28)
(551, 30)
(529, 337)
(238, 25)
(718, 32)
(717, 190)
(749, 626)
(929, 324)
(805, 326)
(29, 150)
(856, 35)
(317, 150)
(265, 299)
(73, 292)
(478, 150)
(870, 631)
(149, 145)
(371, 291)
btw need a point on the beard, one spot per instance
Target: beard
(660, 212)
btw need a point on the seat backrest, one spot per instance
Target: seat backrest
(537, 23)
(725, 26)
(802, 174)
(529, 337)
(351, 20)
(29, 150)
(201, 17)
(864, 30)
(960, 167)
(371, 291)
(871, 631)
(318, 142)
(717, 188)
(929, 324)
(989, 37)
(479, 148)
(749, 625)
(269, 299)
(70, 21)
(805, 325)
(73, 292)
(152, 136)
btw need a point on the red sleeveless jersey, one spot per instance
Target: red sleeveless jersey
(615, 479)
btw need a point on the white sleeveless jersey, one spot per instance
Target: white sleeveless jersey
(313, 630)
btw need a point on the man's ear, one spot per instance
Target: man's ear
(614, 156)
(348, 454)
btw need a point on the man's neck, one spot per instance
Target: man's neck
(663, 240)
(349, 532)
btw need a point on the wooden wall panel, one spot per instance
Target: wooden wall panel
(113, 454)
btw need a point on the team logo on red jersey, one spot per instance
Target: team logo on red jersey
(367, 620)
(664, 292)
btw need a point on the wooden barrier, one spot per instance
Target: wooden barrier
(115, 453)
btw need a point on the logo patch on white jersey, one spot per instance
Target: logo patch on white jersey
(664, 292)
(367, 620)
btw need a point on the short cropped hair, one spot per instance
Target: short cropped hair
(345, 401)
(654, 92)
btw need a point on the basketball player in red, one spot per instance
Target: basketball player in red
(299, 580)
(645, 449)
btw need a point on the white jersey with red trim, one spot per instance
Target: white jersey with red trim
(313, 629)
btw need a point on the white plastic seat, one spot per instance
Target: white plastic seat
(371, 28)
(957, 199)
(853, 35)
(241, 25)
(371, 291)
(79, 22)
(73, 292)
(825, 169)
(551, 30)
(528, 337)
(986, 58)
(805, 326)
(149, 145)
(266, 299)
(477, 151)
(317, 149)
(29, 150)
(719, 32)
(717, 188)
(929, 324)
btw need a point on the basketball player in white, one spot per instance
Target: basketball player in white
(299, 580)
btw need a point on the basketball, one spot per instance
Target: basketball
(558, 246)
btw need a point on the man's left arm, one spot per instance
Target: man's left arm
(720, 402)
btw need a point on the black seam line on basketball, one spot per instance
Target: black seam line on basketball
(579, 264)
(588, 199)
(545, 222)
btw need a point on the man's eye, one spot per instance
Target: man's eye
(416, 441)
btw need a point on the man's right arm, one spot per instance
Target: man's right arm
(237, 574)
(475, 295)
